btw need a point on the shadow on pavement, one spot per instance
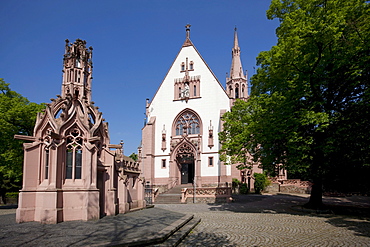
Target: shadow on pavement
(361, 227)
(110, 230)
(207, 239)
(254, 203)
(352, 213)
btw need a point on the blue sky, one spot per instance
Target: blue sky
(135, 43)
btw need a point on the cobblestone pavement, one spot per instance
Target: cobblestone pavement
(270, 220)
(136, 227)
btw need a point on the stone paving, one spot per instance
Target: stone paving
(140, 227)
(252, 220)
(270, 220)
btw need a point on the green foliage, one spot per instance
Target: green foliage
(133, 156)
(236, 137)
(12, 194)
(260, 183)
(243, 189)
(235, 182)
(17, 116)
(310, 97)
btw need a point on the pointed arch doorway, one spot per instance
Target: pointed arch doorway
(185, 158)
(187, 168)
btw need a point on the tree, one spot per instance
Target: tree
(133, 156)
(17, 116)
(309, 104)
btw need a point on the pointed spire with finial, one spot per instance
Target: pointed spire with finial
(236, 70)
(236, 81)
(187, 40)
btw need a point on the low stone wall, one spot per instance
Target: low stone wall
(207, 200)
(226, 184)
(161, 188)
(294, 189)
(290, 186)
(206, 195)
(273, 187)
(10, 201)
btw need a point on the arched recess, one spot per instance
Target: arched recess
(184, 159)
(187, 122)
(74, 149)
(237, 91)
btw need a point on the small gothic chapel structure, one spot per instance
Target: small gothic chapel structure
(180, 142)
(71, 172)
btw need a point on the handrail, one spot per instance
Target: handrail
(172, 184)
(184, 195)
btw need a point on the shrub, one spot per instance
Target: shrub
(260, 182)
(11, 194)
(235, 182)
(243, 189)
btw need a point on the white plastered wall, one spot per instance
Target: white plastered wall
(212, 99)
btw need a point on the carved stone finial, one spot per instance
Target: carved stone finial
(187, 40)
(187, 31)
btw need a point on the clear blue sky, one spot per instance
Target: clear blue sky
(135, 43)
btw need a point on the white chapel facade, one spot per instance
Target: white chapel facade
(180, 142)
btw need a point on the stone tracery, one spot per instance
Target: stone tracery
(187, 124)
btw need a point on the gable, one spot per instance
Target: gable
(204, 86)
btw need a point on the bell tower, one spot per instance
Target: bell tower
(237, 82)
(77, 70)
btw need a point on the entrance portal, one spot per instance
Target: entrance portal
(187, 173)
(185, 161)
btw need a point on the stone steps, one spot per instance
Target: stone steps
(168, 199)
(173, 196)
(181, 233)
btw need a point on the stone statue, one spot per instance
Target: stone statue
(185, 92)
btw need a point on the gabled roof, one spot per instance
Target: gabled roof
(188, 43)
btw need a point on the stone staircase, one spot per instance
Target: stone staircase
(178, 233)
(173, 196)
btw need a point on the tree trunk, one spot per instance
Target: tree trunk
(315, 201)
(3, 197)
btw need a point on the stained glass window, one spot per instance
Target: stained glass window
(187, 123)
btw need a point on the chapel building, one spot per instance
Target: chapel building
(71, 171)
(180, 142)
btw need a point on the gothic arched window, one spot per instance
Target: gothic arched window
(187, 123)
(236, 92)
(231, 91)
(74, 154)
(47, 156)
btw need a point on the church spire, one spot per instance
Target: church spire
(236, 70)
(187, 40)
(236, 84)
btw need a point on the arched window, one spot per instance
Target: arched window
(74, 154)
(78, 63)
(195, 90)
(187, 123)
(236, 92)
(46, 175)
